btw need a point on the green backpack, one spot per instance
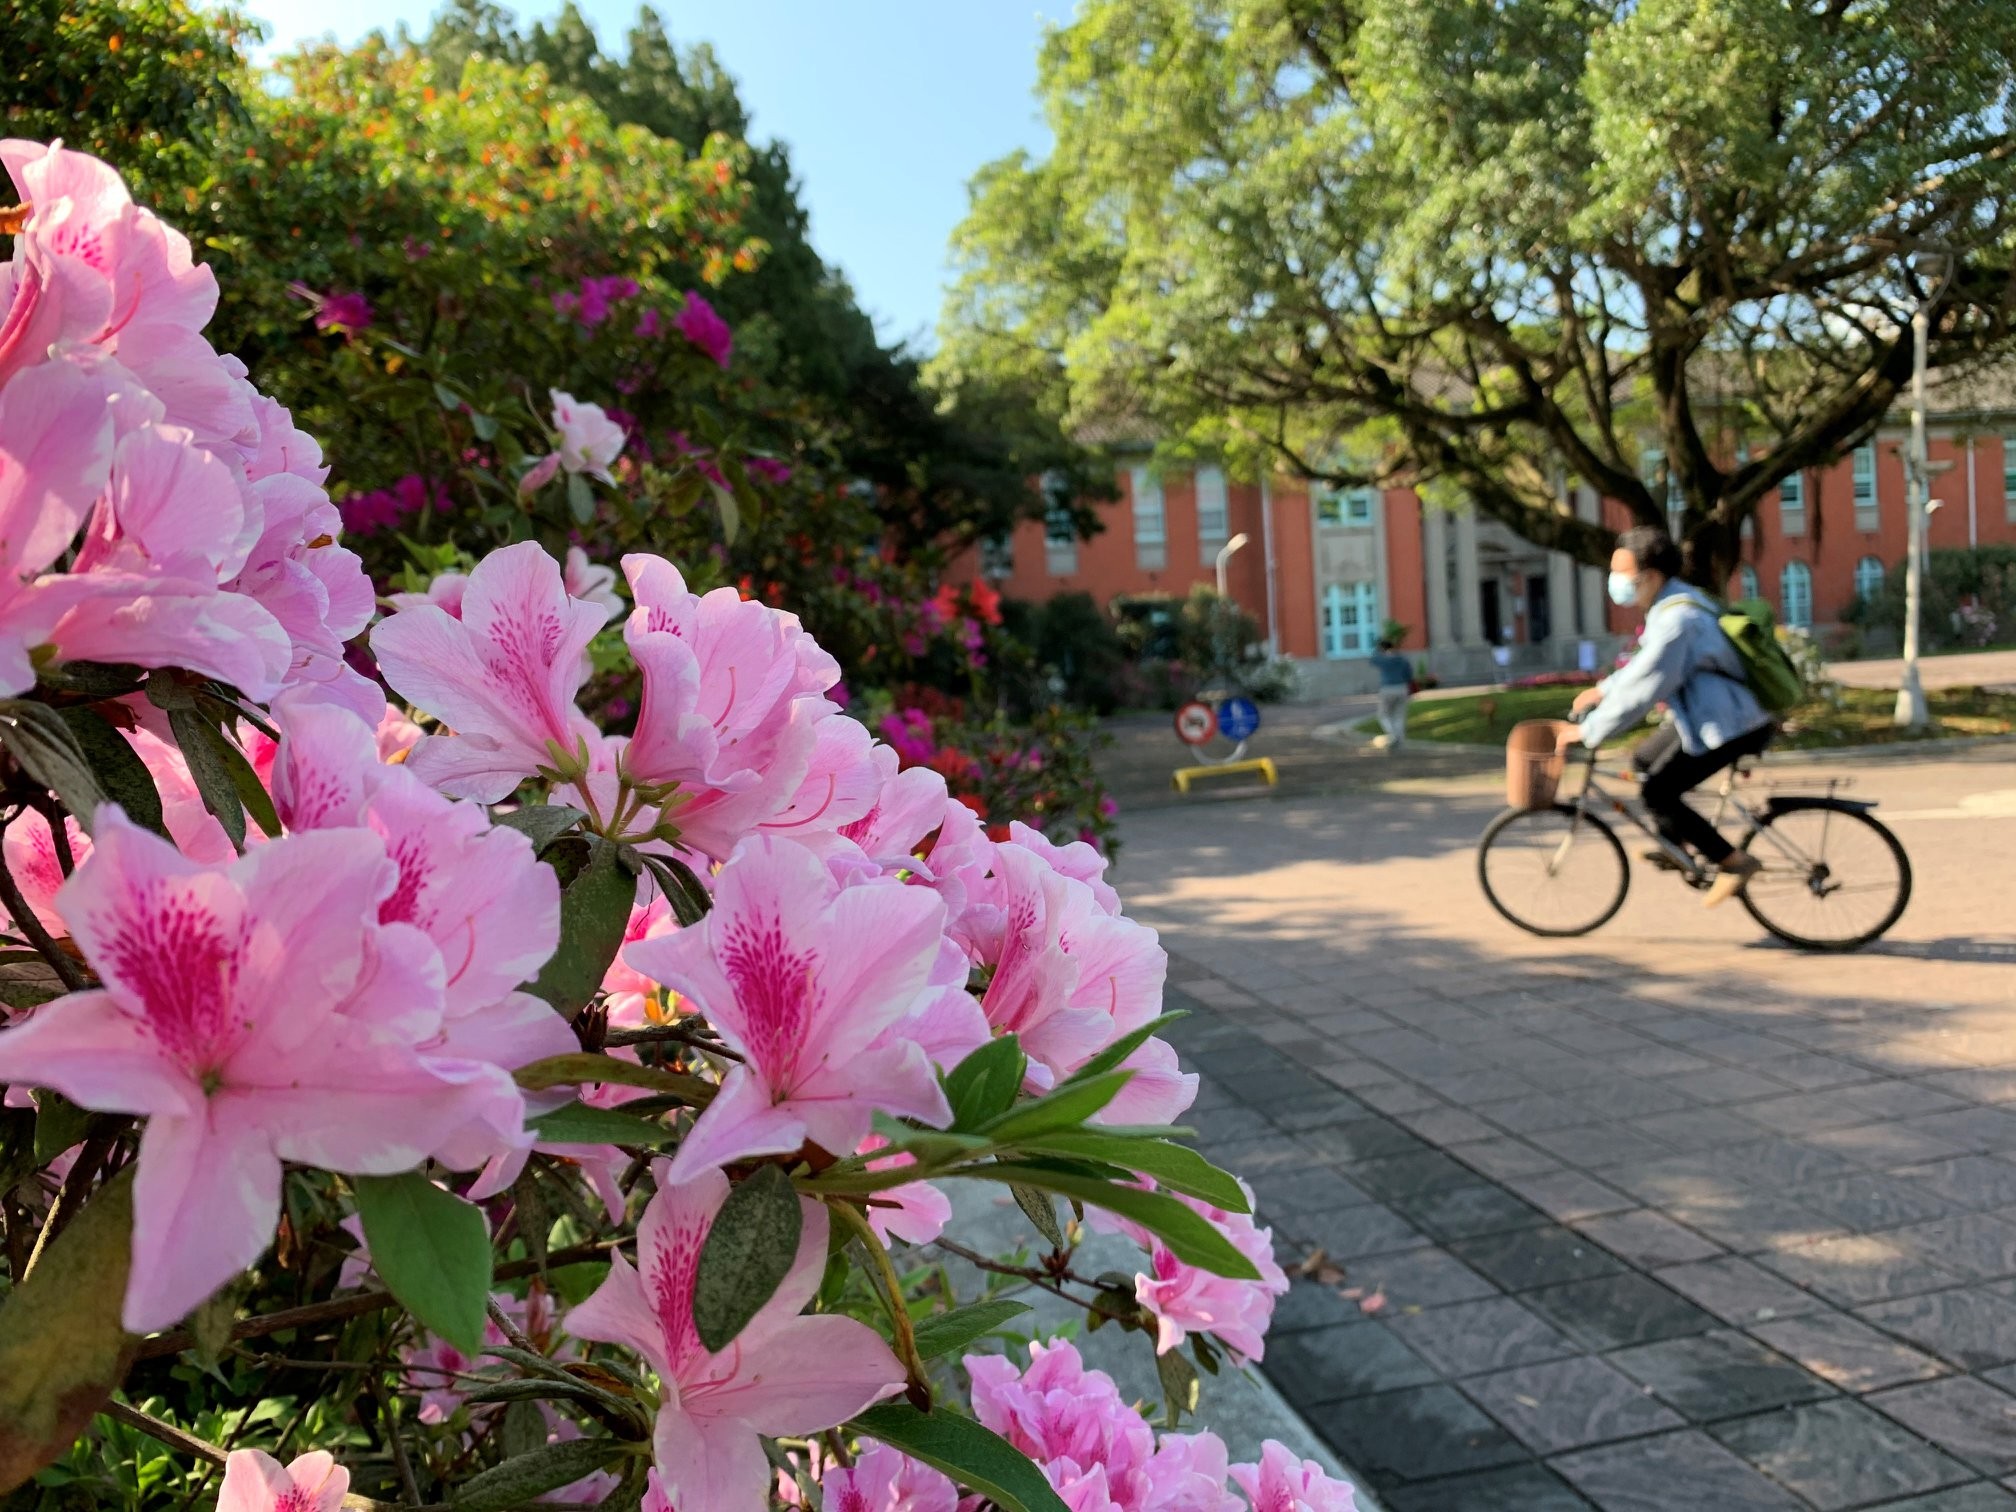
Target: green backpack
(1753, 631)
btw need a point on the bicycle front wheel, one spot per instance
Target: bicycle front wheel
(1555, 871)
(1833, 878)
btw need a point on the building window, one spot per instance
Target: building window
(997, 556)
(2009, 475)
(1151, 531)
(1346, 506)
(1869, 575)
(1792, 504)
(1747, 586)
(1350, 620)
(1060, 529)
(1867, 513)
(1213, 523)
(1795, 595)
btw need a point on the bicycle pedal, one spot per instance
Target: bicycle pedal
(1662, 861)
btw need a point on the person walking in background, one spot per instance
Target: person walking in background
(1396, 685)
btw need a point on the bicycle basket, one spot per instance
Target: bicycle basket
(1533, 762)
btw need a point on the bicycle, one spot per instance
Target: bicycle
(1834, 878)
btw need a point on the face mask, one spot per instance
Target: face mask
(1623, 589)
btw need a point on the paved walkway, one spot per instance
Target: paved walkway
(1968, 669)
(1663, 1218)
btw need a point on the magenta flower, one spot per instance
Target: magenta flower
(257, 1482)
(706, 330)
(649, 324)
(503, 676)
(779, 969)
(1187, 1300)
(769, 469)
(348, 313)
(784, 1374)
(254, 1013)
(883, 1479)
(1282, 1482)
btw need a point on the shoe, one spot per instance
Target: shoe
(1661, 860)
(1730, 879)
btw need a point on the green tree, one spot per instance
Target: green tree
(1661, 246)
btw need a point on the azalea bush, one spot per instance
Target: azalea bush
(442, 1099)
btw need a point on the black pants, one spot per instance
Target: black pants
(1667, 773)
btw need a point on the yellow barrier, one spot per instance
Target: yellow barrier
(1182, 777)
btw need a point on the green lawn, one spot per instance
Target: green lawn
(1863, 716)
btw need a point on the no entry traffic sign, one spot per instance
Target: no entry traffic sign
(1195, 723)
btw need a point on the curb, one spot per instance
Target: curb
(1342, 734)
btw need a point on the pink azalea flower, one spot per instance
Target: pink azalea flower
(539, 474)
(783, 969)
(883, 1479)
(591, 583)
(1188, 1474)
(769, 469)
(348, 313)
(30, 849)
(240, 1014)
(503, 675)
(915, 1212)
(909, 804)
(628, 994)
(706, 330)
(1187, 1300)
(714, 1408)
(444, 592)
(1073, 1422)
(589, 440)
(256, 1482)
(1077, 860)
(1281, 1482)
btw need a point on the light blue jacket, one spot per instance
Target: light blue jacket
(1685, 662)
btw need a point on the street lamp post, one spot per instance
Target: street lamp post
(1912, 713)
(1225, 559)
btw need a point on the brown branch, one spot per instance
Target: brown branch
(167, 1433)
(75, 1190)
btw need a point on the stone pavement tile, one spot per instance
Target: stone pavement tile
(1307, 1190)
(1742, 1048)
(1527, 1258)
(1417, 1278)
(1260, 1152)
(1470, 1088)
(1868, 1201)
(1962, 1415)
(1781, 1162)
(1859, 1268)
(1644, 1476)
(1969, 1181)
(1612, 1311)
(1328, 1107)
(1881, 1146)
(1724, 1084)
(1992, 1086)
(1346, 1233)
(1752, 1221)
(1404, 1175)
(1502, 1158)
(1699, 1128)
(1458, 1212)
(1847, 1352)
(1810, 1071)
(1414, 1434)
(1739, 1291)
(1979, 1497)
(1221, 1125)
(1647, 1238)
(1272, 1086)
(1629, 1097)
(1808, 1112)
(1320, 1365)
(1970, 1327)
(1668, 1064)
(1972, 1128)
(1310, 1304)
(1538, 1111)
(1598, 1145)
(1678, 1178)
(1981, 1246)
(1714, 1375)
(1569, 1195)
(1399, 1097)
(1573, 1075)
(1839, 1454)
(1446, 1126)
(1518, 1488)
(1493, 1333)
(1567, 1404)
(1342, 1069)
(1363, 1139)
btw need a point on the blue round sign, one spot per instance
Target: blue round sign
(1238, 718)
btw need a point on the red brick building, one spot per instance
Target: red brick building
(1323, 570)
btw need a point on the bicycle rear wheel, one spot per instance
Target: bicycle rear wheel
(1555, 871)
(1833, 878)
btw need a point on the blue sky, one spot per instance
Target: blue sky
(888, 106)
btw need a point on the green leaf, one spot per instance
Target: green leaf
(62, 1350)
(749, 1250)
(1125, 1046)
(1041, 1209)
(584, 1069)
(199, 741)
(446, 397)
(1175, 1166)
(1180, 1386)
(37, 737)
(245, 782)
(580, 498)
(527, 1477)
(972, 1455)
(1065, 1108)
(541, 823)
(1187, 1232)
(686, 893)
(942, 1334)
(579, 1124)
(594, 912)
(524, 1427)
(432, 1251)
(731, 512)
(121, 774)
(59, 1124)
(983, 1086)
(484, 425)
(94, 679)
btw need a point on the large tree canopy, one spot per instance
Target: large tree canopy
(1661, 246)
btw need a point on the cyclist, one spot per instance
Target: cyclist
(1685, 662)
